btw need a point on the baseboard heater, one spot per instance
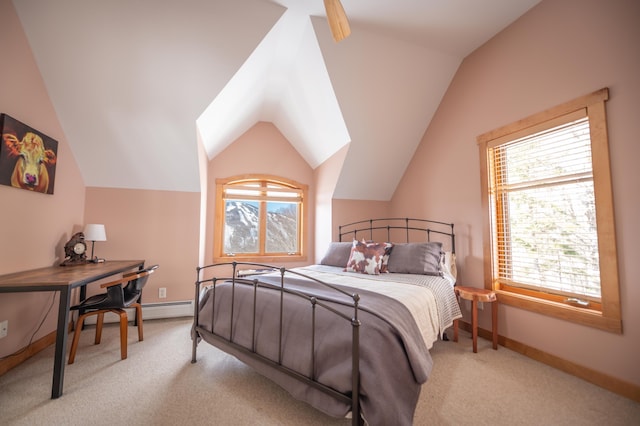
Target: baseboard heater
(153, 311)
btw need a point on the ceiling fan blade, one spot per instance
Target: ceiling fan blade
(337, 20)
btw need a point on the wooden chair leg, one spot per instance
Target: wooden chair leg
(139, 321)
(99, 322)
(123, 333)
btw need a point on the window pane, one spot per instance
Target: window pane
(282, 227)
(546, 222)
(552, 239)
(241, 227)
(245, 192)
(288, 194)
(561, 151)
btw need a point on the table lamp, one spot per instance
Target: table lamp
(94, 232)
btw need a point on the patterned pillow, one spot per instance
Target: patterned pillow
(384, 269)
(366, 258)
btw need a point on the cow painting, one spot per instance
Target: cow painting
(27, 160)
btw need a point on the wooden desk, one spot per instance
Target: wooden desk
(63, 279)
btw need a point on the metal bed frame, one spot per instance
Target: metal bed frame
(398, 223)
(226, 342)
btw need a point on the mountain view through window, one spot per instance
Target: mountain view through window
(242, 227)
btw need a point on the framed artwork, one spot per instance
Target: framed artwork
(27, 157)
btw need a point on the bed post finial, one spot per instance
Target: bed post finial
(453, 240)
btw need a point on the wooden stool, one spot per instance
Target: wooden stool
(478, 295)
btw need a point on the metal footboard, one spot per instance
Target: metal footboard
(315, 303)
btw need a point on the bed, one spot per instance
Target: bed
(350, 335)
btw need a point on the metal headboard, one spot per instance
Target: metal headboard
(405, 224)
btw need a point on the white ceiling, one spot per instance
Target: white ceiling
(134, 81)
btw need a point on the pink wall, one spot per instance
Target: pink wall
(260, 150)
(349, 211)
(325, 179)
(158, 226)
(161, 227)
(33, 226)
(560, 50)
(331, 212)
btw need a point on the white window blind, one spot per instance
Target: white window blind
(261, 191)
(544, 220)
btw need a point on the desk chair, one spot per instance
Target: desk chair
(116, 300)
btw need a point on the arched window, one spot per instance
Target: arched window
(259, 218)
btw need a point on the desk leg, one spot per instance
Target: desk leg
(83, 296)
(61, 342)
(135, 321)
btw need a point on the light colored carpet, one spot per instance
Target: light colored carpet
(158, 385)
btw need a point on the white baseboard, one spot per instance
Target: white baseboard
(153, 311)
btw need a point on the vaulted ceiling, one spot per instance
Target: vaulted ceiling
(134, 82)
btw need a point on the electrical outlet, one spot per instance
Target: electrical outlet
(4, 328)
(480, 306)
(162, 293)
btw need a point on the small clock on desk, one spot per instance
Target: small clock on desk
(75, 250)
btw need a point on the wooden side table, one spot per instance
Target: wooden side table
(476, 295)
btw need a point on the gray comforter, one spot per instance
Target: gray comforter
(394, 360)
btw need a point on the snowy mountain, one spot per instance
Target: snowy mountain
(242, 221)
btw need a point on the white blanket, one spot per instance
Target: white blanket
(430, 299)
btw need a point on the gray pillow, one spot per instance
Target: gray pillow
(416, 258)
(337, 254)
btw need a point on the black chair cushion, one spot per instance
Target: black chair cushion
(116, 296)
(92, 302)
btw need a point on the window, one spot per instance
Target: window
(549, 233)
(259, 218)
